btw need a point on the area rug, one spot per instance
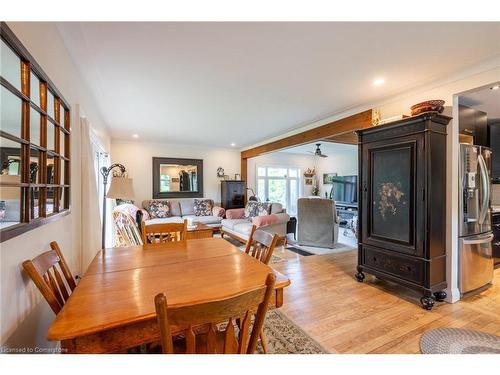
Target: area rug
(458, 341)
(312, 250)
(285, 337)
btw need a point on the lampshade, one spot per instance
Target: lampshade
(121, 188)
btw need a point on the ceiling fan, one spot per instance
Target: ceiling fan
(318, 151)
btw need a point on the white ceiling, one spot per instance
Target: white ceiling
(485, 100)
(327, 148)
(217, 83)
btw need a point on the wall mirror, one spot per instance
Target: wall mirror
(34, 129)
(177, 178)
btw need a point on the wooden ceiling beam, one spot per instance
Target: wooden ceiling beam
(360, 120)
(349, 138)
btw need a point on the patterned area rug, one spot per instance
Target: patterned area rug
(285, 337)
(458, 341)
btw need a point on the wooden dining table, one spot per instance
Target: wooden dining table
(112, 308)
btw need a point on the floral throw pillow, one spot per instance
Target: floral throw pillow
(254, 209)
(203, 207)
(159, 209)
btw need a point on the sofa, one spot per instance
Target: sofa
(317, 222)
(184, 209)
(179, 210)
(238, 225)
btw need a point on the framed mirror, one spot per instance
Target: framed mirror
(177, 178)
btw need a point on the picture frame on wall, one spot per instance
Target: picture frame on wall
(309, 181)
(328, 178)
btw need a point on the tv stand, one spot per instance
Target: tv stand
(346, 206)
(348, 215)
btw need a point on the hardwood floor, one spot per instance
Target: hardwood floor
(376, 316)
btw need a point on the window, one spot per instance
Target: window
(34, 142)
(164, 183)
(279, 184)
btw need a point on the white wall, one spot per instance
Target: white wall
(137, 157)
(25, 316)
(280, 159)
(344, 162)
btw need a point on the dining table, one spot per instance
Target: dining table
(112, 308)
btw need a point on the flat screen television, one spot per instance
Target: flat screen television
(345, 189)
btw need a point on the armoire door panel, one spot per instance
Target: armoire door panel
(392, 180)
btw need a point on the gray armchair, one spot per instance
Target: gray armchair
(317, 222)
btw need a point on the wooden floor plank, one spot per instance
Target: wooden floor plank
(375, 316)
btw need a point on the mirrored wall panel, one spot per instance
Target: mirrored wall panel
(31, 175)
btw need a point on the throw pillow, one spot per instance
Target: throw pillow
(263, 221)
(159, 209)
(254, 209)
(203, 207)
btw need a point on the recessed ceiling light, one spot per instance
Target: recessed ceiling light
(233, 144)
(496, 87)
(135, 135)
(378, 81)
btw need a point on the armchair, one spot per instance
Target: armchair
(317, 222)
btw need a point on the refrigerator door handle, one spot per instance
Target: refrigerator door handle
(479, 240)
(485, 182)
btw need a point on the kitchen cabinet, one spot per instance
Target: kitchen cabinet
(496, 239)
(494, 144)
(473, 122)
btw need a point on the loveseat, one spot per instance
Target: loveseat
(158, 211)
(183, 209)
(270, 218)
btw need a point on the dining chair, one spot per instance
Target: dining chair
(210, 328)
(158, 234)
(261, 244)
(43, 271)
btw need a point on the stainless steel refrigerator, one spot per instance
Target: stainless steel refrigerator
(475, 232)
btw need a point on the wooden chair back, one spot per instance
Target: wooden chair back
(159, 234)
(202, 335)
(261, 244)
(43, 271)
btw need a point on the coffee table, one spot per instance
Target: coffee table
(200, 231)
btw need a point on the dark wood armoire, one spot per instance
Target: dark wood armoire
(402, 204)
(232, 194)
